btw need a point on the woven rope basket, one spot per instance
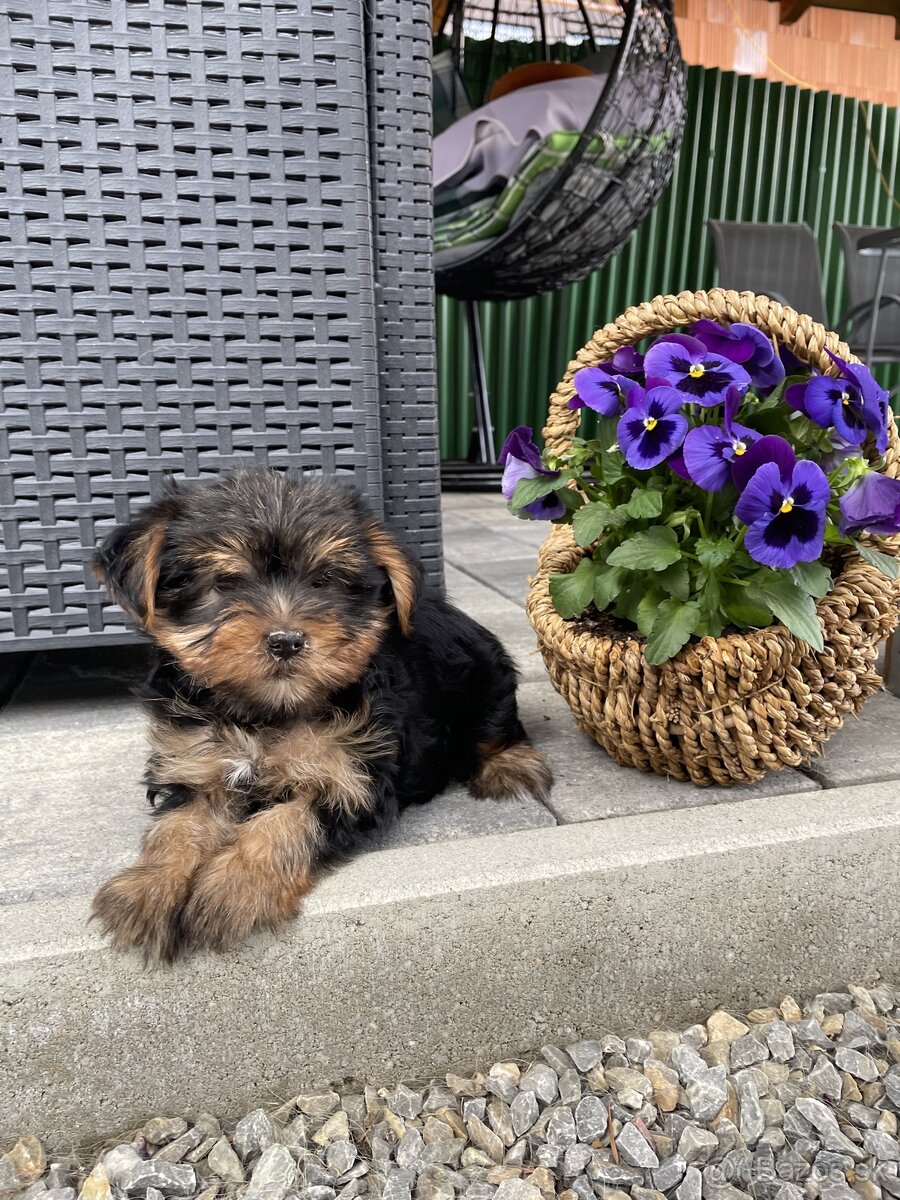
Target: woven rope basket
(724, 710)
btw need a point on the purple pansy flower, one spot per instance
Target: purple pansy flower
(652, 427)
(770, 448)
(709, 450)
(833, 402)
(678, 465)
(521, 459)
(874, 398)
(695, 372)
(744, 344)
(872, 503)
(597, 389)
(783, 506)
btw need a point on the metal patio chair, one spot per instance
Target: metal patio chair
(781, 261)
(872, 262)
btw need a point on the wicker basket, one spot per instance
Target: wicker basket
(724, 710)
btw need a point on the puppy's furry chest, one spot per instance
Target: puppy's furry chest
(324, 761)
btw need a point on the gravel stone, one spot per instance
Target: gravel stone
(707, 1093)
(118, 1161)
(752, 1122)
(517, 1189)
(253, 1134)
(485, 1139)
(561, 1131)
(696, 1145)
(591, 1118)
(635, 1149)
(172, 1179)
(225, 1163)
(340, 1156)
(523, 1112)
(882, 1145)
(585, 1055)
(576, 1158)
(273, 1176)
(317, 1104)
(570, 1086)
(181, 1147)
(669, 1173)
(747, 1050)
(858, 1065)
(615, 1174)
(542, 1080)
(690, 1186)
(722, 1026)
(161, 1130)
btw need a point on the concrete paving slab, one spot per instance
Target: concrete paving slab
(466, 952)
(457, 815)
(866, 750)
(591, 787)
(509, 576)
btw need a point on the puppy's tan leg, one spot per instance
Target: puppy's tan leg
(141, 906)
(258, 881)
(513, 770)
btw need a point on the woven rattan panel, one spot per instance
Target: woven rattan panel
(186, 270)
(400, 112)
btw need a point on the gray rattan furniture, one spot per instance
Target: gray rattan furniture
(872, 261)
(214, 249)
(781, 261)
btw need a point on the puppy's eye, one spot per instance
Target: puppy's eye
(227, 582)
(322, 580)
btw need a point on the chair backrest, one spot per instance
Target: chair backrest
(862, 279)
(781, 261)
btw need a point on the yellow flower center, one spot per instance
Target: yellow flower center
(697, 371)
(740, 448)
(650, 422)
(787, 504)
(845, 397)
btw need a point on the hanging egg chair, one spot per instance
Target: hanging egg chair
(600, 145)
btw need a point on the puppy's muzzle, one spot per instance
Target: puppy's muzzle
(285, 643)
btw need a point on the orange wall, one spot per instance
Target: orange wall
(855, 54)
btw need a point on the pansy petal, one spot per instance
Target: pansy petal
(761, 496)
(519, 444)
(514, 471)
(547, 508)
(663, 400)
(597, 390)
(788, 539)
(677, 464)
(704, 457)
(871, 503)
(770, 448)
(812, 478)
(732, 404)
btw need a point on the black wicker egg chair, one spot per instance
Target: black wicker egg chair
(575, 216)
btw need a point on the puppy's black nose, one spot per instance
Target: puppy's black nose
(285, 643)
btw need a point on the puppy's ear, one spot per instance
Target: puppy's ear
(128, 560)
(403, 571)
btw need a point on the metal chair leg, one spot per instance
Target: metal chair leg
(483, 447)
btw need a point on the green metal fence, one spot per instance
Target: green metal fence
(753, 151)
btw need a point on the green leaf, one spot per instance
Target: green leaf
(590, 521)
(607, 586)
(884, 562)
(652, 550)
(643, 503)
(742, 609)
(675, 581)
(572, 593)
(714, 552)
(674, 624)
(648, 609)
(812, 577)
(790, 604)
(529, 490)
(710, 600)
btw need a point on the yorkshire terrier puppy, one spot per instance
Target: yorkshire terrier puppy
(305, 689)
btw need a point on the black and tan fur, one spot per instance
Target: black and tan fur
(265, 769)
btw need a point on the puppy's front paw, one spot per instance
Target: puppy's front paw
(233, 897)
(140, 909)
(517, 770)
